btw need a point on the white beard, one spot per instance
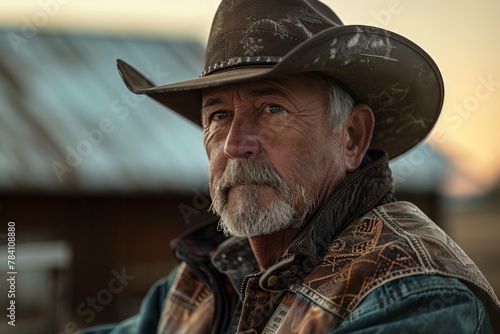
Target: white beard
(250, 216)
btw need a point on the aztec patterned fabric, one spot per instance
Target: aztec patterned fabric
(344, 253)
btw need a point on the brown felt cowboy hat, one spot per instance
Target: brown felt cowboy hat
(253, 40)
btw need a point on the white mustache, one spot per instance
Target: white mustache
(249, 172)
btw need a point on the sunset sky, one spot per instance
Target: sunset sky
(461, 36)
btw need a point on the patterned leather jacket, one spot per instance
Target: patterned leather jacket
(360, 254)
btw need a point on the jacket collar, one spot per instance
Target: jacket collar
(367, 187)
(362, 190)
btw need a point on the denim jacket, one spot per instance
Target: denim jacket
(363, 264)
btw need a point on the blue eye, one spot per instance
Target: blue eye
(274, 108)
(218, 115)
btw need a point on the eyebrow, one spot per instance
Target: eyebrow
(211, 102)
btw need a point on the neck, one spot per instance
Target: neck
(268, 248)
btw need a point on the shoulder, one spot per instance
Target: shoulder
(362, 257)
(423, 303)
(146, 321)
(387, 243)
(406, 217)
(371, 248)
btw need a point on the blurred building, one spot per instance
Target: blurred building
(98, 180)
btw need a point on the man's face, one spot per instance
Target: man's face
(273, 156)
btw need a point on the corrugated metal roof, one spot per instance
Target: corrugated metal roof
(67, 122)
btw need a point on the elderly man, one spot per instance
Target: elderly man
(300, 115)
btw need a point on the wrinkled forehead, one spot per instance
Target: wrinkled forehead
(288, 85)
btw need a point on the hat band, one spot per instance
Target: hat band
(236, 61)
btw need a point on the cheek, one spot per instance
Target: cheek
(293, 167)
(214, 140)
(216, 163)
(316, 164)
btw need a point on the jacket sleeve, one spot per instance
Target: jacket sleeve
(146, 321)
(419, 304)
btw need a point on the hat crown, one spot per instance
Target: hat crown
(262, 31)
(259, 39)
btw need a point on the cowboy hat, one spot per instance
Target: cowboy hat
(254, 40)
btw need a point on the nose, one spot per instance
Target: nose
(242, 141)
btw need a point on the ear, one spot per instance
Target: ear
(359, 134)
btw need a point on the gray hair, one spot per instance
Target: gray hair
(340, 102)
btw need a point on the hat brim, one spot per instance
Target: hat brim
(399, 80)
